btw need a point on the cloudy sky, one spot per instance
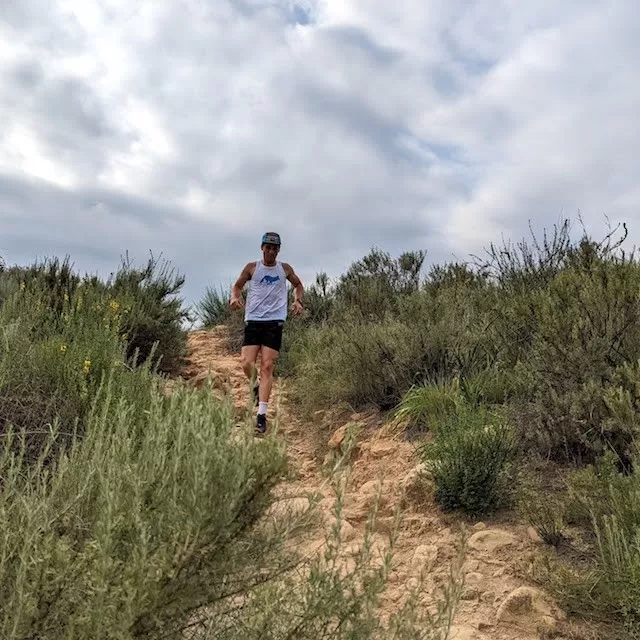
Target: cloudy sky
(188, 127)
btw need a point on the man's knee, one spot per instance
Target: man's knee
(269, 357)
(249, 357)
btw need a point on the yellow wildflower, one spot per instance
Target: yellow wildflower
(63, 348)
(22, 286)
(86, 366)
(114, 305)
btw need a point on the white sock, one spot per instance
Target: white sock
(262, 408)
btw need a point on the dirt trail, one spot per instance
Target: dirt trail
(497, 602)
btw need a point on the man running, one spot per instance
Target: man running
(265, 315)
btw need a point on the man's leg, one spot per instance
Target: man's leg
(267, 364)
(271, 341)
(249, 358)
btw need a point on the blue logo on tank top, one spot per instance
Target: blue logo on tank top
(270, 279)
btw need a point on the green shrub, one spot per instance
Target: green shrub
(136, 524)
(470, 458)
(372, 285)
(154, 326)
(606, 583)
(361, 365)
(154, 525)
(52, 361)
(423, 408)
(213, 309)
(151, 313)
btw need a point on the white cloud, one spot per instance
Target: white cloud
(343, 123)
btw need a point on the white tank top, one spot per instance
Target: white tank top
(267, 297)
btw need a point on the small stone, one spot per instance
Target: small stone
(534, 536)
(289, 507)
(464, 632)
(474, 578)
(425, 554)
(412, 478)
(336, 440)
(500, 572)
(470, 593)
(380, 449)
(491, 540)
(413, 583)
(527, 607)
(479, 526)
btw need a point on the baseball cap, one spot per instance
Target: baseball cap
(271, 237)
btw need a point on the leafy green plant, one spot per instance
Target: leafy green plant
(470, 459)
(424, 407)
(154, 327)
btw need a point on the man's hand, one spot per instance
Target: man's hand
(298, 309)
(235, 303)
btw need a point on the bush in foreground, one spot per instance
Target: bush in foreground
(153, 525)
(470, 458)
(604, 508)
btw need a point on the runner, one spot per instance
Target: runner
(265, 315)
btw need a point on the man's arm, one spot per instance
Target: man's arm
(236, 290)
(292, 277)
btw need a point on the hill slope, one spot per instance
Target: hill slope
(497, 601)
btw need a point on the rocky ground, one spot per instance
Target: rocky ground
(498, 601)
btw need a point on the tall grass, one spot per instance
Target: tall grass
(214, 309)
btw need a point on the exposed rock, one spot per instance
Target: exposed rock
(474, 578)
(380, 448)
(490, 540)
(534, 536)
(288, 507)
(359, 504)
(385, 524)
(425, 554)
(527, 607)
(479, 526)
(471, 593)
(336, 440)
(465, 632)
(347, 531)
(413, 478)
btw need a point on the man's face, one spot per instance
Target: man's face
(270, 252)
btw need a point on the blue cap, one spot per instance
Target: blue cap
(271, 237)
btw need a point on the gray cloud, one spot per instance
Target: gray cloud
(189, 127)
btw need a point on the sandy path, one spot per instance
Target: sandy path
(496, 602)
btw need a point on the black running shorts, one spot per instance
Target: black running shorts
(267, 333)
